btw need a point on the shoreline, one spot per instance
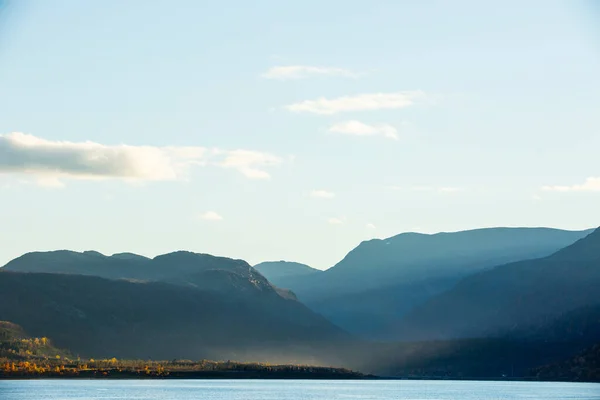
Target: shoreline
(193, 375)
(166, 374)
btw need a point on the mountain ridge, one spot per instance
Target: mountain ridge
(216, 306)
(392, 276)
(180, 267)
(518, 294)
(281, 273)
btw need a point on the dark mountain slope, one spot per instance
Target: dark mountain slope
(515, 296)
(97, 317)
(201, 271)
(381, 280)
(169, 306)
(584, 367)
(283, 273)
(581, 325)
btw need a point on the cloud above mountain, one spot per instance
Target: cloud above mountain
(50, 159)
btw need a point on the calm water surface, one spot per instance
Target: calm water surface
(289, 389)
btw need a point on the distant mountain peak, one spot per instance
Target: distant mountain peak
(283, 262)
(497, 229)
(587, 248)
(129, 256)
(189, 256)
(93, 253)
(279, 272)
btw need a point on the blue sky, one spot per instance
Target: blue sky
(292, 130)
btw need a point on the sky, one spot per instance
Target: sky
(271, 130)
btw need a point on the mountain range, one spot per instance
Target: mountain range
(284, 273)
(175, 305)
(381, 280)
(481, 303)
(514, 296)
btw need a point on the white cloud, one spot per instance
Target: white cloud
(50, 181)
(304, 71)
(591, 184)
(50, 161)
(211, 216)
(361, 102)
(336, 221)
(250, 163)
(371, 226)
(433, 189)
(29, 154)
(449, 189)
(322, 194)
(357, 128)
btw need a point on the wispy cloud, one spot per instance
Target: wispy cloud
(288, 72)
(361, 102)
(51, 161)
(433, 189)
(371, 226)
(449, 189)
(357, 128)
(211, 216)
(591, 184)
(322, 194)
(50, 181)
(336, 221)
(250, 163)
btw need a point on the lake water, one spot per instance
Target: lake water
(297, 390)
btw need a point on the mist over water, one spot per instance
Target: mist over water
(293, 389)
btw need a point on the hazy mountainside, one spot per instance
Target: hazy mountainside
(516, 296)
(414, 257)
(371, 313)
(381, 280)
(176, 305)
(97, 317)
(283, 273)
(462, 359)
(516, 353)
